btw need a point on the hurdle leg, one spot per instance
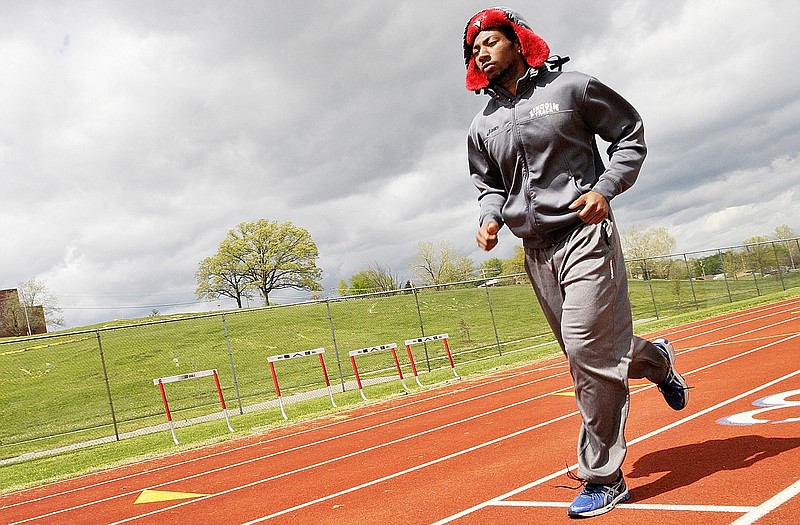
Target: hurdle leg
(399, 370)
(222, 401)
(327, 381)
(166, 409)
(358, 378)
(450, 358)
(277, 389)
(413, 365)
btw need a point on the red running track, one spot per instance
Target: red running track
(491, 450)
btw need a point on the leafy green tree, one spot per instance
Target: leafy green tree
(761, 253)
(491, 267)
(516, 263)
(359, 284)
(267, 256)
(710, 265)
(224, 274)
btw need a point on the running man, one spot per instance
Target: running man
(534, 160)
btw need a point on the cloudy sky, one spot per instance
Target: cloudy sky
(135, 134)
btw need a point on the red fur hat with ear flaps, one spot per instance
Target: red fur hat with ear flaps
(534, 48)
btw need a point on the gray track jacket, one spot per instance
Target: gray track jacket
(532, 156)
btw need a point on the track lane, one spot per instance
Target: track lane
(449, 481)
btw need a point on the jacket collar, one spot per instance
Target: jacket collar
(523, 84)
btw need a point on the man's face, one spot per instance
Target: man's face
(498, 57)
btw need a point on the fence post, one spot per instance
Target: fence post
(108, 385)
(491, 311)
(778, 264)
(335, 346)
(755, 278)
(725, 275)
(233, 366)
(691, 282)
(421, 326)
(650, 283)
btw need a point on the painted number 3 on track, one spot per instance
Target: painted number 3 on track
(772, 411)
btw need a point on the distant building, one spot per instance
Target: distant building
(16, 320)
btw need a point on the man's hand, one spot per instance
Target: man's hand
(595, 207)
(487, 235)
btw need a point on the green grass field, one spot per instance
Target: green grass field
(62, 390)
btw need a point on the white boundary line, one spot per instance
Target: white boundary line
(741, 509)
(759, 311)
(770, 505)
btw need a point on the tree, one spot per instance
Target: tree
(343, 288)
(787, 238)
(359, 284)
(761, 254)
(442, 265)
(382, 278)
(709, 265)
(264, 256)
(376, 278)
(784, 232)
(650, 243)
(224, 274)
(516, 263)
(33, 293)
(491, 267)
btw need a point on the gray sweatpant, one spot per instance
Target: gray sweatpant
(582, 287)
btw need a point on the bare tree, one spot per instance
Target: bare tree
(33, 293)
(442, 265)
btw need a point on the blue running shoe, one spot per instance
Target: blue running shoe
(596, 499)
(673, 387)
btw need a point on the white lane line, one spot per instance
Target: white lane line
(761, 312)
(769, 505)
(738, 509)
(747, 332)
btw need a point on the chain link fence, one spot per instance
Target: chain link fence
(97, 385)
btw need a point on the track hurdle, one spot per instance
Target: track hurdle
(284, 357)
(371, 349)
(428, 339)
(161, 381)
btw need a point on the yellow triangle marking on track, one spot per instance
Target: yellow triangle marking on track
(154, 496)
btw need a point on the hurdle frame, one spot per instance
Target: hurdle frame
(427, 339)
(161, 381)
(370, 349)
(285, 357)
